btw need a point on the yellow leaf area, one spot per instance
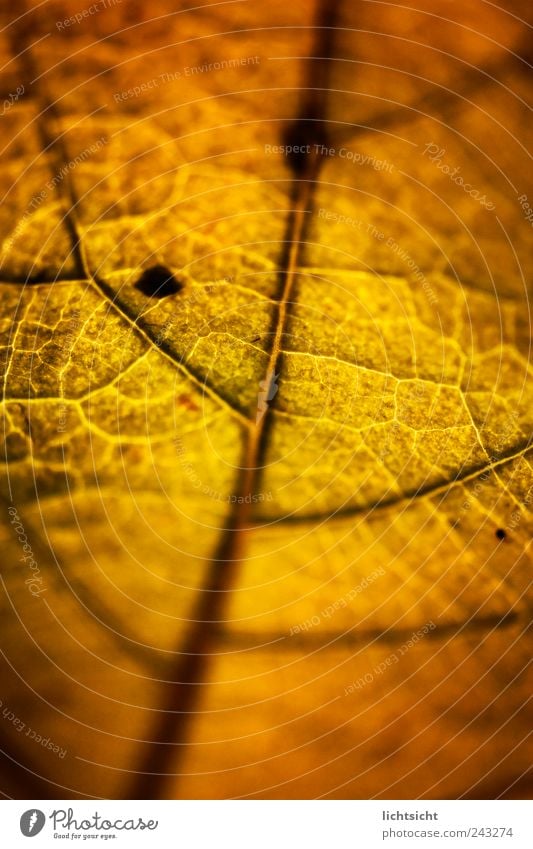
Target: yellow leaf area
(267, 416)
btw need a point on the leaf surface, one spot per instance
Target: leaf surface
(248, 494)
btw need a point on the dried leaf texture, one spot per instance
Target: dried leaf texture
(267, 414)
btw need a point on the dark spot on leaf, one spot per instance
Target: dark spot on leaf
(158, 282)
(500, 533)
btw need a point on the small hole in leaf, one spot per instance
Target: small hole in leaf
(158, 282)
(500, 533)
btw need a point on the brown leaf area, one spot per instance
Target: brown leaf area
(266, 474)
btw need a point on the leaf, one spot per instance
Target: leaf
(267, 416)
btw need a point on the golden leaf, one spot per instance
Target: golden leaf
(267, 412)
